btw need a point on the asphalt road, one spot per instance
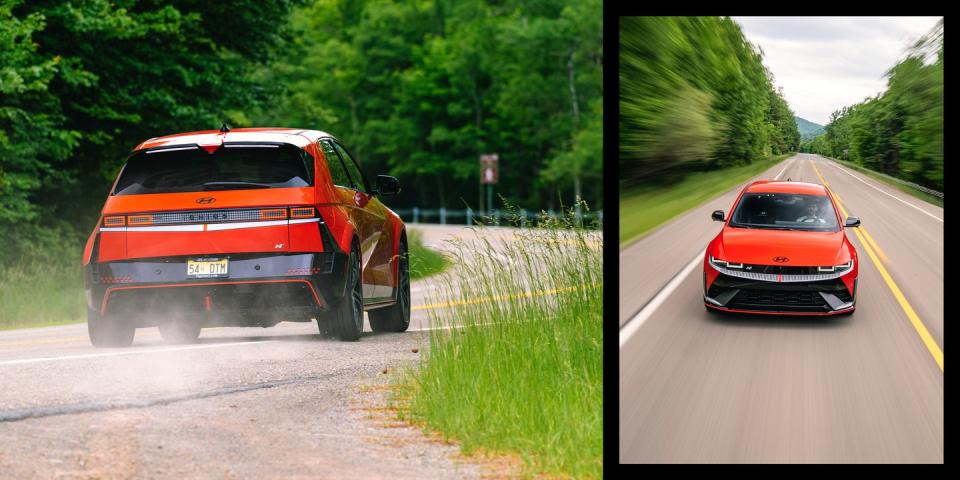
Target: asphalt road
(700, 388)
(242, 403)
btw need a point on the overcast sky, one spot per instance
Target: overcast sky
(825, 63)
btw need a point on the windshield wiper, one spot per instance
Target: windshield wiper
(233, 185)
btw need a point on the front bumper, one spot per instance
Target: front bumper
(257, 283)
(827, 297)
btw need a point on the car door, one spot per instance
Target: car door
(368, 219)
(381, 239)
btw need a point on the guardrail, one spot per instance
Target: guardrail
(893, 179)
(445, 216)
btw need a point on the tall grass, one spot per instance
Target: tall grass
(516, 363)
(424, 261)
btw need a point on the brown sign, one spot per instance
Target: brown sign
(489, 171)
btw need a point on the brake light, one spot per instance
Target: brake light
(114, 221)
(274, 213)
(139, 220)
(302, 212)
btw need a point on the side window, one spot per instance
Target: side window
(335, 165)
(358, 181)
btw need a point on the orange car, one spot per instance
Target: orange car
(782, 251)
(245, 227)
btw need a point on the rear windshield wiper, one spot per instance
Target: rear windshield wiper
(232, 185)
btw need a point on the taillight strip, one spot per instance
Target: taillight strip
(209, 226)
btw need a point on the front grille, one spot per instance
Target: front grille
(750, 299)
(212, 216)
(761, 295)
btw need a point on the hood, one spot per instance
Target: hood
(802, 249)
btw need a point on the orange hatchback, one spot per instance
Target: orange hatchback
(245, 227)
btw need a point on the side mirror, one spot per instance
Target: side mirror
(387, 186)
(852, 222)
(717, 215)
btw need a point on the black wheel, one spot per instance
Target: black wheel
(396, 318)
(345, 320)
(180, 330)
(110, 331)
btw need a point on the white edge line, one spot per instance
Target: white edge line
(634, 323)
(128, 352)
(844, 170)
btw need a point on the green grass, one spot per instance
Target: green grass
(643, 209)
(918, 194)
(518, 373)
(424, 261)
(39, 294)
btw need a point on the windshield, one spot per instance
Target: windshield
(231, 167)
(785, 211)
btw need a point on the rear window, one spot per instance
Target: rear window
(231, 167)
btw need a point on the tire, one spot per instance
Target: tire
(108, 332)
(396, 318)
(180, 330)
(345, 319)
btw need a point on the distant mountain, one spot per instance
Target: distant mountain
(808, 129)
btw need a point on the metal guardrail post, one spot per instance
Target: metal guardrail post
(416, 215)
(469, 216)
(443, 216)
(523, 218)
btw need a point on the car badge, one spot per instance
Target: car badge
(781, 259)
(206, 200)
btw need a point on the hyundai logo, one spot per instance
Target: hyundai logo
(206, 200)
(781, 259)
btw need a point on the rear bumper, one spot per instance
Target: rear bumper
(731, 294)
(256, 283)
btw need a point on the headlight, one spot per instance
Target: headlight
(837, 268)
(716, 262)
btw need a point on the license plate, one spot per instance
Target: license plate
(207, 268)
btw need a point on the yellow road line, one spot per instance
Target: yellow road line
(918, 325)
(866, 234)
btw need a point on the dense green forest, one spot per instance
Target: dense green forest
(694, 95)
(900, 131)
(808, 129)
(417, 89)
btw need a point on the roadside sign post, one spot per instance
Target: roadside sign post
(489, 175)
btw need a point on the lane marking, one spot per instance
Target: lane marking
(842, 169)
(789, 163)
(128, 352)
(632, 325)
(918, 325)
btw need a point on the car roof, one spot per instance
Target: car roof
(294, 136)
(777, 186)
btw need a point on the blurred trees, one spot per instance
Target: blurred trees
(420, 89)
(694, 94)
(899, 132)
